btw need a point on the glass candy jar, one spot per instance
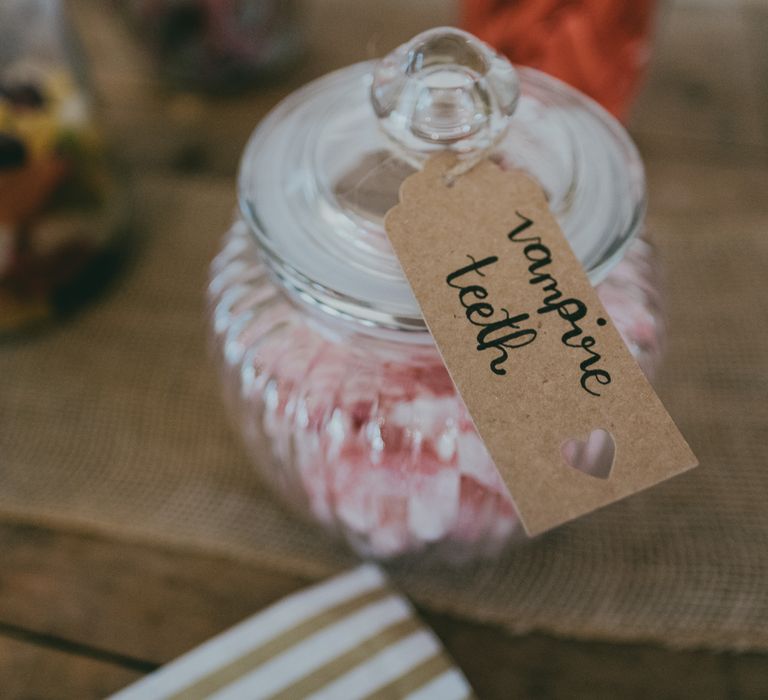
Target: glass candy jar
(331, 376)
(62, 212)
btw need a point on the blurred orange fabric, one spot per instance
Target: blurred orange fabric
(600, 47)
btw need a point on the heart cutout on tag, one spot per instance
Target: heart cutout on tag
(594, 456)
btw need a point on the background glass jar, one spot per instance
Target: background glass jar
(330, 374)
(219, 45)
(62, 210)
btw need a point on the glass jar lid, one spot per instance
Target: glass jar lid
(323, 168)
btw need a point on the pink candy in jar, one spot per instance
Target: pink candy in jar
(329, 372)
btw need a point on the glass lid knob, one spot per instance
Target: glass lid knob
(444, 89)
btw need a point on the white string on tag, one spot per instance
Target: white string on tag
(464, 165)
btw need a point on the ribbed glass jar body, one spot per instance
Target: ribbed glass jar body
(365, 433)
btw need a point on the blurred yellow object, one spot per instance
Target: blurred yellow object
(60, 205)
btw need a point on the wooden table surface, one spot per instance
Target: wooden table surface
(83, 615)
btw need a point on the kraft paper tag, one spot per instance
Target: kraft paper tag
(533, 353)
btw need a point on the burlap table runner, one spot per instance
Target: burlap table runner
(113, 422)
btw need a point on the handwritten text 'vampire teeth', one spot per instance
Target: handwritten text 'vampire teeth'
(502, 334)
